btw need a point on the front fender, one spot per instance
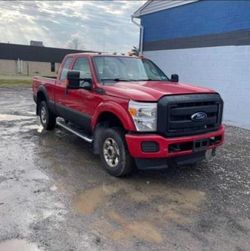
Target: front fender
(118, 110)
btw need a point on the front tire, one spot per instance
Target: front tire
(114, 154)
(47, 118)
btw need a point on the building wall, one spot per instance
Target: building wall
(208, 44)
(34, 53)
(39, 68)
(196, 19)
(8, 67)
(28, 68)
(225, 69)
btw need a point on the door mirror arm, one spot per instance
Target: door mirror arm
(86, 83)
(75, 82)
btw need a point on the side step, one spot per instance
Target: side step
(74, 130)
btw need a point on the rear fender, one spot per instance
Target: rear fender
(41, 95)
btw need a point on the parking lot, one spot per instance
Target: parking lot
(55, 195)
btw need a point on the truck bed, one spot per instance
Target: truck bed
(45, 81)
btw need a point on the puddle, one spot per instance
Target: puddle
(40, 129)
(32, 127)
(91, 199)
(171, 198)
(126, 229)
(162, 206)
(35, 175)
(9, 117)
(31, 113)
(53, 188)
(18, 245)
(47, 213)
(141, 230)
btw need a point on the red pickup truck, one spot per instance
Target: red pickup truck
(130, 111)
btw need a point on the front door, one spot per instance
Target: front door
(61, 101)
(77, 99)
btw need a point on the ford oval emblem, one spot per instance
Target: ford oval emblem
(199, 116)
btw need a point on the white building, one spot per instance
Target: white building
(207, 43)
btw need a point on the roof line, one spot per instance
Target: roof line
(137, 13)
(27, 45)
(152, 6)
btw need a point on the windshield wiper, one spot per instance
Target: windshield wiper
(147, 79)
(129, 80)
(114, 79)
(150, 79)
(135, 80)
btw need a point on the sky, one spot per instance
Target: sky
(90, 25)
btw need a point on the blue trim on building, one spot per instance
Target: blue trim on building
(241, 37)
(200, 18)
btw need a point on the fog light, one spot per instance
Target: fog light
(150, 146)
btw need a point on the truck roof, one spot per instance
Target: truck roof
(91, 54)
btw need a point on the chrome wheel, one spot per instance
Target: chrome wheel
(43, 115)
(111, 152)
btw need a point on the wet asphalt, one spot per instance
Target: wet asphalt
(55, 195)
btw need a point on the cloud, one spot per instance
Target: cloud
(96, 25)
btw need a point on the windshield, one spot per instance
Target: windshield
(111, 69)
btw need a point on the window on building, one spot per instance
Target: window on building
(52, 67)
(65, 68)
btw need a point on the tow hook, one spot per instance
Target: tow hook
(210, 154)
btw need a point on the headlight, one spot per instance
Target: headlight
(144, 115)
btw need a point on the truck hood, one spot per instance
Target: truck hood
(151, 90)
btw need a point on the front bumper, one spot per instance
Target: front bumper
(171, 147)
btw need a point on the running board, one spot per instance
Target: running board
(74, 131)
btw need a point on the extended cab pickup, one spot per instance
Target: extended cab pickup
(130, 111)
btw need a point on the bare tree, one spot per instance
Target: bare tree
(75, 43)
(135, 51)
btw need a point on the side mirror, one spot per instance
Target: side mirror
(174, 78)
(86, 83)
(73, 78)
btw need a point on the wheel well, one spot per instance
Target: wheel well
(40, 97)
(108, 119)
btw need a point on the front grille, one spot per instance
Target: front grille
(174, 114)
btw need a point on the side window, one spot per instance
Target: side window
(82, 65)
(65, 68)
(153, 71)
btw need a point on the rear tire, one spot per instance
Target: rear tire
(114, 154)
(47, 118)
